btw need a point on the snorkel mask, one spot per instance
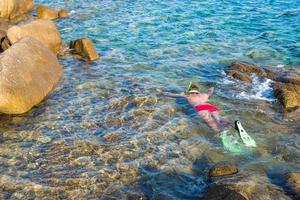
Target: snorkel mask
(191, 91)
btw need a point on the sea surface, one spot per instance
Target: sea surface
(107, 133)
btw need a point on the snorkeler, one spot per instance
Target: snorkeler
(209, 113)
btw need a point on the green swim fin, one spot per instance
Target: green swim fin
(230, 142)
(247, 139)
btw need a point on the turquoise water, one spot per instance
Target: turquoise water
(106, 133)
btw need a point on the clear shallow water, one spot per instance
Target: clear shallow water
(105, 132)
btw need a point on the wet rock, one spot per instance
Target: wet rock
(271, 73)
(221, 192)
(42, 30)
(292, 77)
(14, 9)
(223, 169)
(252, 186)
(85, 48)
(238, 75)
(294, 182)
(44, 12)
(288, 95)
(63, 14)
(28, 73)
(248, 68)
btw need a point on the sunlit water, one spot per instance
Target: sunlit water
(106, 133)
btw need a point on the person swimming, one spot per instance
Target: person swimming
(208, 112)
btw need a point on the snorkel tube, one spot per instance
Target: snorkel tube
(188, 88)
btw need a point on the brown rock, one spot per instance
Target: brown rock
(294, 182)
(223, 169)
(28, 73)
(42, 30)
(239, 75)
(63, 14)
(288, 94)
(271, 74)
(221, 192)
(248, 68)
(12, 9)
(44, 12)
(85, 48)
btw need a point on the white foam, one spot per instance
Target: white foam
(280, 66)
(260, 89)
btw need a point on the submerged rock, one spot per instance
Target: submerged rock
(28, 73)
(14, 9)
(221, 192)
(85, 48)
(223, 169)
(44, 12)
(42, 30)
(294, 182)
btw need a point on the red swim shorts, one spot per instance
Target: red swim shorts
(207, 107)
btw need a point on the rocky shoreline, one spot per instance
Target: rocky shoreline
(29, 68)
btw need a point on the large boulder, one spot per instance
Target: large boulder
(13, 9)
(288, 94)
(44, 12)
(43, 30)
(28, 73)
(84, 47)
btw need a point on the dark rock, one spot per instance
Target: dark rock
(5, 44)
(248, 68)
(223, 169)
(85, 48)
(292, 76)
(44, 12)
(288, 94)
(294, 182)
(238, 75)
(221, 192)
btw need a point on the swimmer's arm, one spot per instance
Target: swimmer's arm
(210, 91)
(168, 94)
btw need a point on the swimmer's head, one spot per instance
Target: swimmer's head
(193, 89)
